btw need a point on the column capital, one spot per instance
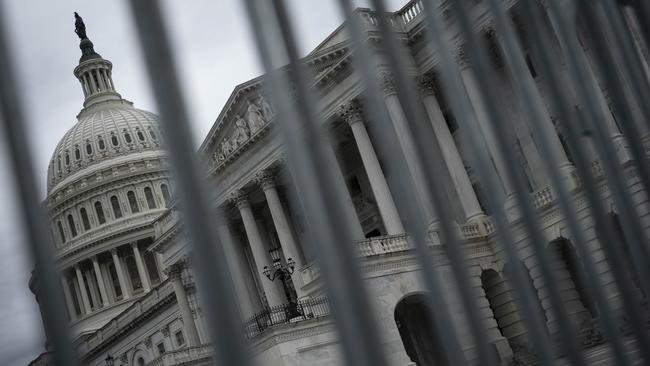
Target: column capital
(386, 82)
(174, 271)
(134, 244)
(428, 83)
(239, 199)
(461, 57)
(351, 112)
(264, 178)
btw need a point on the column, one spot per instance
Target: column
(352, 113)
(407, 145)
(142, 271)
(547, 127)
(459, 177)
(120, 274)
(473, 92)
(100, 80)
(89, 85)
(238, 267)
(584, 63)
(189, 327)
(82, 289)
(260, 255)
(77, 292)
(100, 282)
(68, 297)
(161, 267)
(91, 82)
(281, 223)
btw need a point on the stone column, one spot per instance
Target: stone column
(260, 255)
(352, 113)
(288, 243)
(408, 147)
(584, 64)
(142, 270)
(480, 112)
(237, 265)
(174, 274)
(451, 155)
(68, 297)
(100, 282)
(161, 267)
(559, 155)
(120, 274)
(82, 289)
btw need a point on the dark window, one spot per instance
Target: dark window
(117, 211)
(153, 135)
(84, 219)
(67, 159)
(89, 149)
(133, 202)
(132, 268)
(77, 154)
(531, 66)
(151, 201)
(165, 192)
(127, 137)
(114, 140)
(152, 269)
(115, 280)
(58, 163)
(61, 233)
(140, 136)
(354, 186)
(73, 228)
(100, 142)
(99, 210)
(140, 361)
(161, 348)
(180, 339)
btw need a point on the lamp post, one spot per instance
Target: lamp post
(110, 361)
(283, 273)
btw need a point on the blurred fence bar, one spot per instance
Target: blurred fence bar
(506, 147)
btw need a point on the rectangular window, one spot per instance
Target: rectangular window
(161, 348)
(180, 339)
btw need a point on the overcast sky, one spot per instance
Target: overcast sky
(214, 51)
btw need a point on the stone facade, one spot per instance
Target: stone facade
(158, 318)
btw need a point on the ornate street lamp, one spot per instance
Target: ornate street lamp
(109, 360)
(283, 273)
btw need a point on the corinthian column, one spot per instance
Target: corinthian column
(120, 274)
(407, 144)
(82, 289)
(460, 180)
(68, 296)
(142, 271)
(352, 113)
(100, 282)
(174, 272)
(260, 255)
(281, 223)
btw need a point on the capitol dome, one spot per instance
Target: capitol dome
(105, 130)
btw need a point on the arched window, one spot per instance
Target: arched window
(67, 159)
(77, 154)
(153, 134)
(140, 361)
(115, 203)
(140, 135)
(99, 211)
(61, 233)
(133, 202)
(101, 143)
(151, 201)
(84, 219)
(89, 149)
(501, 299)
(114, 140)
(58, 163)
(73, 228)
(127, 137)
(165, 192)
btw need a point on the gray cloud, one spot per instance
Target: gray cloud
(214, 51)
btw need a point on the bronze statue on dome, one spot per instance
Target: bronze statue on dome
(80, 27)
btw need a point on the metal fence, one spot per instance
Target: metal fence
(310, 162)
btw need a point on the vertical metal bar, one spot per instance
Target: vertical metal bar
(570, 123)
(515, 58)
(321, 196)
(13, 123)
(608, 157)
(478, 62)
(215, 284)
(439, 310)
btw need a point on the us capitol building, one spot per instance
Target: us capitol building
(124, 261)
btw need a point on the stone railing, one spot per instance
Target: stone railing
(127, 317)
(312, 308)
(477, 229)
(186, 356)
(383, 245)
(543, 197)
(409, 11)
